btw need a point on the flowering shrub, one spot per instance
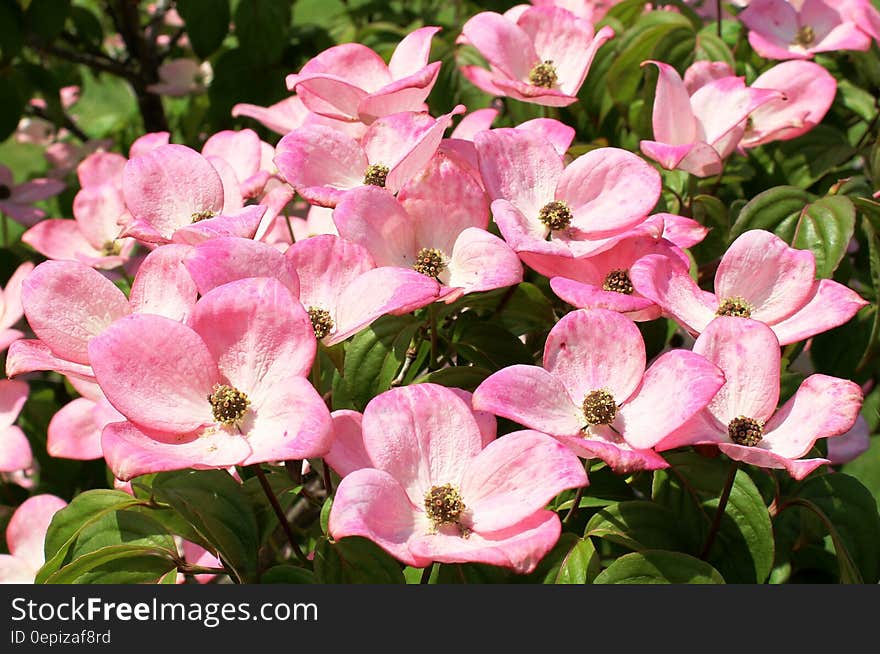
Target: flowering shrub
(324, 292)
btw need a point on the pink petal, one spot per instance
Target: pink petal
(599, 442)
(373, 504)
(376, 220)
(668, 156)
(597, 349)
(100, 168)
(481, 261)
(347, 453)
(558, 133)
(13, 395)
(241, 150)
(676, 386)
(147, 142)
(519, 166)
(233, 198)
(36, 190)
(320, 157)
(163, 286)
(99, 212)
(59, 239)
(73, 432)
(830, 305)
(588, 296)
(168, 185)
(761, 268)
(10, 297)
(16, 571)
(29, 355)
(156, 372)
(532, 397)
(722, 105)
(27, 528)
(823, 406)
(700, 73)
(475, 121)
(673, 119)
(15, 450)
(405, 94)
(222, 260)
(91, 304)
(291, 421)
(520, 547)
(797, 468)
(281, 117)
(502, 42)
(422, 435)
(256, 332)
(242, 223)
(515, 476)
(377, 292)
(667, 282)
(131, 452)
(850, 445)
(748, 354)
(411, 54)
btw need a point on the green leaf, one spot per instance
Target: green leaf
(769, 209)
(207, 23)
(117, 564)
(46, 18)
(573, 560)
(287, 574)
(866, 468)
(11, 31)
(488, 345)
(744, 547)
(465, 377)
(284, 489)
(659, 567)
(806, 159)
(355, 560)
(520, 309)
(87, 26)
(638, 525)
(825, 227)
(375, 355)
(852, 510)
(84, 513)
(218, 509)
(15, 91)
(262, 28)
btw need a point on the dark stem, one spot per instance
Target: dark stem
(328, 480)
(432, 313)
(66, 122)
(719, 513)
(4, 229)
(426, 574)
(718, 9)
(279, 513)
(572, 510)
(97, 62)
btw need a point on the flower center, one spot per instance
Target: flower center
(745, 431)
(110, 248)
(736, 307)
(599, 408)
(544, 74)
(443, 505)
(228, 404)
(198, 216)
(805, 36)
(322, 323)
(5, 192)
(430, 262)
(618, 281)
(556, 215)
(375, 175)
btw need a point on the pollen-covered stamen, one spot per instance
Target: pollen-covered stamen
(599, 408)
(322, 323)
(805, 36)
(618, 281)
(228, 404)
(556, 215)
(110, 248)
(376, 175)
(544, 75)
(197, 216)
(430, 262)
(745, 431)
(5, 192)
(736, 307)
(443, 505)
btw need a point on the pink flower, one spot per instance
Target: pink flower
(344, 291)
(860, 12)
(535, 54)
(799, 29)
(599, 196)
(851, 444)
(15, 449)
(75, 430)
(759, 277)
(434, 492)
(318, 220)
(242, 152)
(742, 419)
(602, 280)
(197, 396)
(594, 394)
(92, 236)
(351, 82)
(182, 77)
(290, 114)
(808, 91)
(436, 226)
(696, 133)
(176, 194)
(322, 163)
(16, 199)
(25, 535)
(10, 306)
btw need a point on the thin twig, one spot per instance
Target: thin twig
(719, 513)
(279, 513)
